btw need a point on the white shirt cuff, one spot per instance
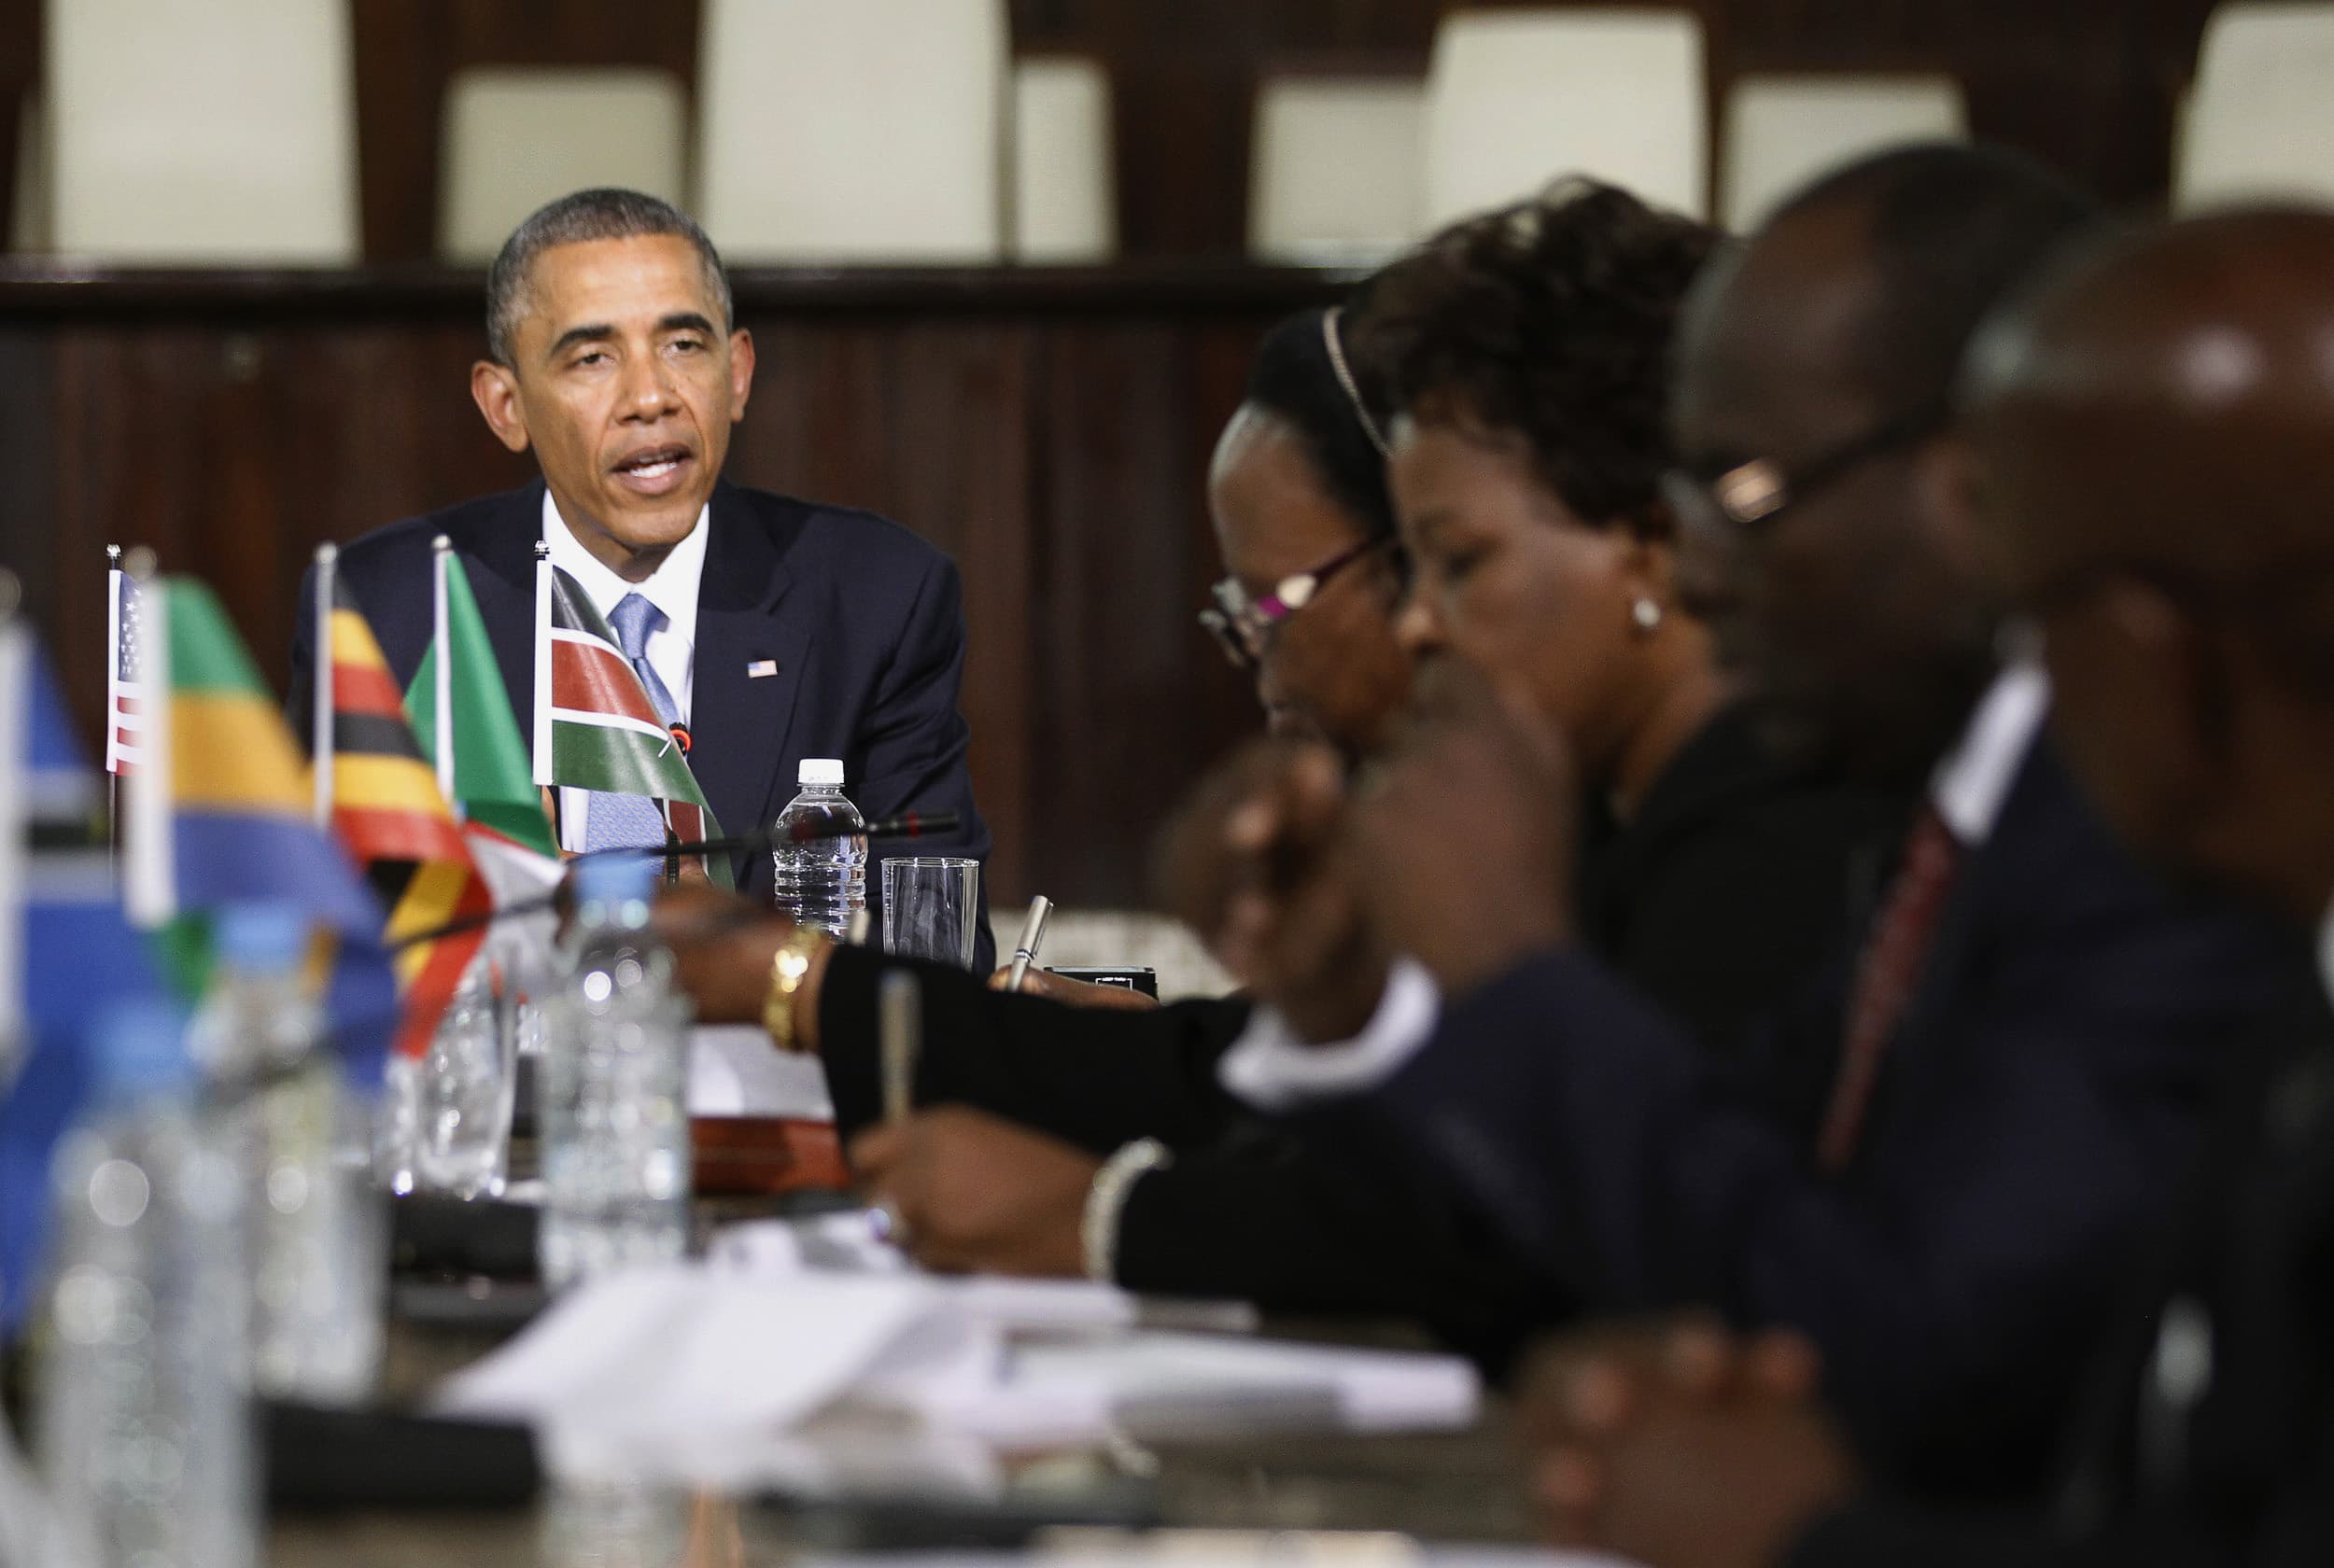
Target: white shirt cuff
(1271, 1069)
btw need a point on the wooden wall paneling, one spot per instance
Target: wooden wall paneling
(961, 452)
(1134, 701)
(34, 524)
(22, 32)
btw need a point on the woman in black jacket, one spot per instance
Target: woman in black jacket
(1526, 351)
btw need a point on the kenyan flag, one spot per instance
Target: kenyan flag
(595, 727)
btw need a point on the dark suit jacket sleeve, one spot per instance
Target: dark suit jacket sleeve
(1954, 1282)
(1888, 1534)
(1100, 1079)
(1270, 1220)
(915, 739)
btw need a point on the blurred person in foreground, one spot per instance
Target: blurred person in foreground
(767, 629)
(1717, 875)
(1945, 1154)
(2154, 435)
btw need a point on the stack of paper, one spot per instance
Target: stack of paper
(673, 1370)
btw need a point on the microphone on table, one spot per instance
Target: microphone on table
(913, 824)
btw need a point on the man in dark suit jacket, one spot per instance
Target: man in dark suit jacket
(2155, 435)
(774, 629)
(2001, 1074)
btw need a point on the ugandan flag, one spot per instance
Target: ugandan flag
(595, 726)
(387, 811)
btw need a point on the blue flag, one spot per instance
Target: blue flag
(73, 949)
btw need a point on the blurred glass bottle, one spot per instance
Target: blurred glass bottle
(315, 1234)
(144, 1427)
(614, 1085)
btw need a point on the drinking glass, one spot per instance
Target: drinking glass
(932, 907)
(462, 1116)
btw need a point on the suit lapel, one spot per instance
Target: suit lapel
(741, 720)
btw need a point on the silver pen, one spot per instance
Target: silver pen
(1032, 935)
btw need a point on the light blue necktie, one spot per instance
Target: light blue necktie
(632, 822)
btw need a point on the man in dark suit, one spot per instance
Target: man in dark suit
(2154, 435)
(770, 629)
(1941, 1161)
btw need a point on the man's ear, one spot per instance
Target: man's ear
(741, 372)
(496, 391)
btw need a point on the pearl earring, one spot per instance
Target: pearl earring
(1646, 615)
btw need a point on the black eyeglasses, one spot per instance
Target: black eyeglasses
(1246, 626)
(1750, 496)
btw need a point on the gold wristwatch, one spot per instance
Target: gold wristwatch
(789, 966)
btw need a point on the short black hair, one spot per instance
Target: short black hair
(1551, 320)
(1295, 380)
(1955, 230)
(604, 213)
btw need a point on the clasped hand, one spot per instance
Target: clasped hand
(1456, 849)
(1679, 1444)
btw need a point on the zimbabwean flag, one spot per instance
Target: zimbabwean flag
(595, 726)
(387, 811)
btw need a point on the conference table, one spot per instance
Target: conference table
(1462, 1486)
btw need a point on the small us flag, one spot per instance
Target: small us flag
(125, 704)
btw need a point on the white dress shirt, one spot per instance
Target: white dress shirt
(1271, 1069)
(672, 588)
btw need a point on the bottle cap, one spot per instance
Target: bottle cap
(262, 938)
(138, 1048)
(615, 878)
(820, 770)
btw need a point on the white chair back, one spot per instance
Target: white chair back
(853, 130)
(1781, 131)
(2260, 120)
(1517, 98)
(516, 138)
(1065, 206)
(1337, 168)
(202, 131)
(29, 223)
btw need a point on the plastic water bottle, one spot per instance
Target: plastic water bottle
(316, 1235)
(145, 1436)
(615, 1084)
(822, 882)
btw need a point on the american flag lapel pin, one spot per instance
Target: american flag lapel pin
(757, 668)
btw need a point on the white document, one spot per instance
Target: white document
(660, 1352)
(1063, 1389)
(689, 1372)
(734, 1070)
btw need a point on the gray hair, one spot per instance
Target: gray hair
(603, 213)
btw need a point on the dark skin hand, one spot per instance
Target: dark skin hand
(976, 1193)
(1466, 832)
(1253, 862)
(723, 945)
(1071, 993)
(1680, 1445)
